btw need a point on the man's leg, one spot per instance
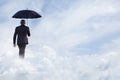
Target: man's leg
(22, 50)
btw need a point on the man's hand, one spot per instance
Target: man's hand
(14, 45)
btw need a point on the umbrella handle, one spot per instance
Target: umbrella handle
(27, 19)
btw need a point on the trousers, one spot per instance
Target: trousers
(21, 50)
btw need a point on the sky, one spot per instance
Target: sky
(74, 40)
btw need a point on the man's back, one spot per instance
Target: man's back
(22, 32)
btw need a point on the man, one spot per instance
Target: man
(21, 32)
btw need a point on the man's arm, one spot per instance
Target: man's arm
(28, 32)
(14, 37)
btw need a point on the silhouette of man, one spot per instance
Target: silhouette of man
(21, 32)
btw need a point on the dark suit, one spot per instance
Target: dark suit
(21, 32)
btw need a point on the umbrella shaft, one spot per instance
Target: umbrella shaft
(27, 22)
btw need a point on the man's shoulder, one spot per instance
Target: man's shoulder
(26, 26)
(17, 27)
(22, 27)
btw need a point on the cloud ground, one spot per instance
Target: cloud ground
(74, 40)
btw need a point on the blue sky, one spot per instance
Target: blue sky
(74, 40)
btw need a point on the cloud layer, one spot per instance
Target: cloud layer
(73, 40)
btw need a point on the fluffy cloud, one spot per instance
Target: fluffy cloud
(81, 27)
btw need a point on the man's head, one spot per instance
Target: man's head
(22, 22)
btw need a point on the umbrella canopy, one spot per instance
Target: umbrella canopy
(27, 14)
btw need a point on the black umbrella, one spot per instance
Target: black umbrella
(26, 14)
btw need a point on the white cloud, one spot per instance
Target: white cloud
(48, 56)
